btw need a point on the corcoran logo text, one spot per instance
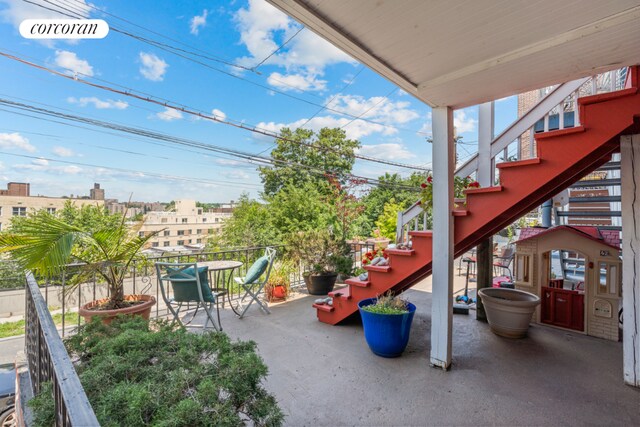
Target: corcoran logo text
(64, 29)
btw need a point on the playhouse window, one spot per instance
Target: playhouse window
(523, 269)
(608, 280)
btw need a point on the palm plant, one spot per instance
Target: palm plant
(45, 245)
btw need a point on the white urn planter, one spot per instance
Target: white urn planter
(508, 311)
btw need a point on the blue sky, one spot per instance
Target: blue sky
(290, 87)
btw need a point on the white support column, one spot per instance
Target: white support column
(485, 135)
(630, 173)
(442, 294)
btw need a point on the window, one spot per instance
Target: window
(217, 219)
(198, 231)
(0, 226)
(165, 244)
(204, 219)
(19, 211)
(180, 242)
(180, 232)
(167, 233)
(184, 220)
(189, 232)
(608, 285)
(523, 269)
(163, 220)
(51, 210)
(141, 233)
(189, 241)
(155, 244)
(199, 241)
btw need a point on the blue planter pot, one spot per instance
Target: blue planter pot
(387, 334)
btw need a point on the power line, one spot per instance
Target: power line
(151, 174)
(183, 141)
(201, 115)
(278, 49)
(169, 48)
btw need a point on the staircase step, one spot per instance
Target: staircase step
(602, 97)
(354, 281)
(425, 233)
(381, 269)
(324, 307)
(344, 293)
(560, 132)
(526, 162)
(459, 212)
(481, 190)
(400, 252)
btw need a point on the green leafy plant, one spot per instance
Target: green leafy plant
(280, 276)
(388, 304)
(137, 373)
(46, 244)
(320, 251)
(459, 187)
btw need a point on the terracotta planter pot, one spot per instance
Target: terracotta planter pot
(508, 311)
(279, 292)
(107, 316)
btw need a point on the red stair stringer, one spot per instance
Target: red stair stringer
(564, 157)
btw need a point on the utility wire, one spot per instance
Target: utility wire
(278, 49)
(187, 142)
(384, 98)
(171, 50)
(201, 115)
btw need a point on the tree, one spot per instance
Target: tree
(87, 217)
(298, 207)
(249, 225)
(327, 151)
(388, 219)
(379, 196)
(346, 206)
(45, 244)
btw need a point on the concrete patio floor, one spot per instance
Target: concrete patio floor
(326, 375)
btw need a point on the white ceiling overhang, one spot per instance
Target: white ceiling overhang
(464, 52)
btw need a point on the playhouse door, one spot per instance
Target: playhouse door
(563, 307)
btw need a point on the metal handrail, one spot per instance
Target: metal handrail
(48, 360)
(561, 98)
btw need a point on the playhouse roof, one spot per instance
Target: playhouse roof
(606, 237)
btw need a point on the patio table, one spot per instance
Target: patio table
(216, 268)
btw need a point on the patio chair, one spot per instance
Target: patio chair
(188, 287)
(504, 260)
(251, 283)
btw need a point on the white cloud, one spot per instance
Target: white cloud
(40, 162)
(219, 114)
(169, 114)
(98, 103)
(263, 30)
(199, 21)
(63, 152)
(297, 82)
(17, 141)
(235, 174)
(72, 64)
(227, 162)
(381, 110)
(42, 165)
(463, 123)
(152, 68)
(390, 151)
(17, 11)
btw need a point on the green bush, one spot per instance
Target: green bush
(139, 374)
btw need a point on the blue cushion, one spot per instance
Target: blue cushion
(186, 290)
(256, 270)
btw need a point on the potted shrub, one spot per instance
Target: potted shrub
(324, 255)
(279, 284)
(46, 245)
(387, 323)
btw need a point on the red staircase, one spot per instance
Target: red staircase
(564, 156)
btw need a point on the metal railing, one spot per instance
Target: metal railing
(49, 361)
(558, 109)
(61, 298)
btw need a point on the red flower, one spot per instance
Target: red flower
(370, 255)
(474, 184)
(365, 261)
(419, 203)
(430, 179)
(423, 185)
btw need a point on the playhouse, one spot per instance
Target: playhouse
(576, 271)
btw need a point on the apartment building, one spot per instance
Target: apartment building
(186, 225)
(17, 200)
